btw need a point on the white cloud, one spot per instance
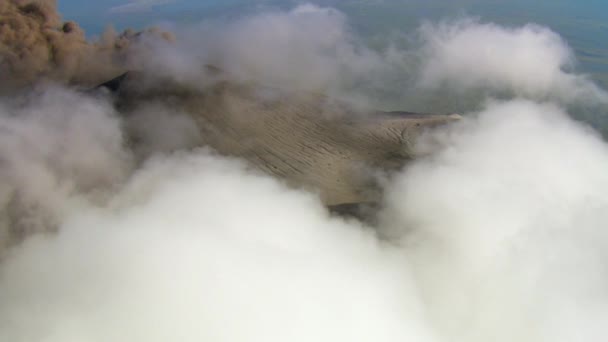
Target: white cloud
(308, 48)
(530, 61)
(505, 227)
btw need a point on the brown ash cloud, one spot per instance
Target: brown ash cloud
(36, 44)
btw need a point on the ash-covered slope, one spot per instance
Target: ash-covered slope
(306, 139)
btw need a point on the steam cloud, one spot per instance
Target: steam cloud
(308, 49)
(499, 236)
(59, 145)
(443, 67)
(505, 227)
(529, 61)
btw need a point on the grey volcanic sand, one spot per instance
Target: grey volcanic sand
(306, 139)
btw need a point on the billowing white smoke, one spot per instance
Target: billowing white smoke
(506, 227)
(530, 61)
(158, 128)
(308, 48)
(57, 146)
(196, 248)
(498, 236)
(441, 66)
(502, 238)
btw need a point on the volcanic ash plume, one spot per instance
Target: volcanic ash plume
(35, 44)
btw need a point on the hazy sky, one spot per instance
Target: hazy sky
(371, 13)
